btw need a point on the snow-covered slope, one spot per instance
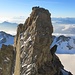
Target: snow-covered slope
(66, 52)
(6, 39)
(66, 45)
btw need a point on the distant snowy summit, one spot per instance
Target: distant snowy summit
(66, 45)
(6, 39)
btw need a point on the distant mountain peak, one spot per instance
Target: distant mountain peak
(8, 27)
(5, 22)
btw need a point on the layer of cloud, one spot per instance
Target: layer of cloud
(16, 19)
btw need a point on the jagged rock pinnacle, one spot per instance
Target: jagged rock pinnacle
(33, 56)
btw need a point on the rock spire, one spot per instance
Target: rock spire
(32, 45)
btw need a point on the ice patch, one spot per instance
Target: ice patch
(24, 65)
(29, 65)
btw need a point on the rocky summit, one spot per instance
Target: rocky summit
(32, 45)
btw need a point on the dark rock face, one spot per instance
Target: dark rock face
(32, 44)
(6, 60)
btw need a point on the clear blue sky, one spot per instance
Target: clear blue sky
(16, 9)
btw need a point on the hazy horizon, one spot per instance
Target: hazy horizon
(61, 26)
